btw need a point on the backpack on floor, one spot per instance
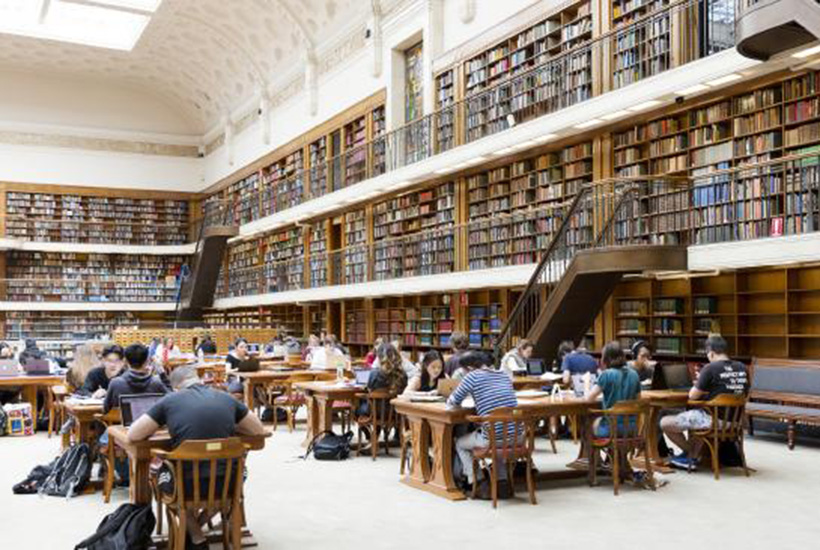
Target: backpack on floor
(70, 473)
(329, 446)
(36, 478)
(129, 527)
(4, 422)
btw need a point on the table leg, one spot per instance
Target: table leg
(29, 395)
(313, 418)
(325, 420)
(441, 481)
(140, 486)
(652, 437)
(419, 471)
(582, 462)
(249, 389)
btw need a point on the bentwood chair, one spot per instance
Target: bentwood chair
(207, 480)
(290, 400)
(727, 413)
(109, 452)
(381, 419)
(511, 435)
(628, 423)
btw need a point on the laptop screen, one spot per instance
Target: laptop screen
(134, 406)
(535, 367)
(362, 376)
(676, 376)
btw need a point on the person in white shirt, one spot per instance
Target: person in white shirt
(515, 361)
(320, 357)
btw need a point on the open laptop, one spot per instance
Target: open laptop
(672, 376)
(37, 367)
(9, 367)
(362, 376)
(535, 367)
(248, 365)
(133, 406)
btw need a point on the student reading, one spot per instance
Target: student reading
(720, 376)
(137, 379)
(97, 380)
(431, 373)
(194, 411)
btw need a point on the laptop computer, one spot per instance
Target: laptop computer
(37, 367)
(248, 365)
(535, 367)
(133, 406)
(362, 376)
(9, 367)
(672, 376)
(447, 386)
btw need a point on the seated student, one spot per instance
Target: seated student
(195, 411)
(515, 360)
(460, 343)
(618, 382)
(206, 347)
(167, 350)
(720, 376)
(409, 368)
(320, 357)
(389, 375)
(85, 360)
(312, 345)
(490, 389)
(6, 351)
(575, 363)
(642, 360)
(431, 372)
(137, 379)
(292, 346)
(370, 358)
(98, 379)
(238, 354)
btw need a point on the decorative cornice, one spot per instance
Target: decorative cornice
(97, 144)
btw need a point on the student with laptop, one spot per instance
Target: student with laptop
(137, 379)
(721, 376)
(430, 374)
(642, 360)
(194, 411)
(490, 389)
(390, 375)
(576, 363)
(321, 358)
(515, 360)
(98, 379)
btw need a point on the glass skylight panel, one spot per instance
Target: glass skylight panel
(116, 24)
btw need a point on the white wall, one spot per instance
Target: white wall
(58, 165)
(487, 14)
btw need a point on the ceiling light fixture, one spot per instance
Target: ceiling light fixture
(693, 89)
(807, 52)
(644, 106)
(503, 151)
(545, 137)
(724, 79)
(589, 123)
(443, 170)
(615, 114)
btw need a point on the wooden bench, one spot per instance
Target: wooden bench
(787, 391)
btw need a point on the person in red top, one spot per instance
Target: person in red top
(371, 355)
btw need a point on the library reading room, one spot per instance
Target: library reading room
(269, 265)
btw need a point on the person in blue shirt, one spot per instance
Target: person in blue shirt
(617, 383)
(575, 363)
(490, 389)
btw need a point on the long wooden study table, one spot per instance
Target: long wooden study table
(30, 385)
(432, 426)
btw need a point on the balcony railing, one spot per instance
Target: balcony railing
(629, 53)
(84, 288)
(767, 199)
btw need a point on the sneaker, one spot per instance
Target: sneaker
(504, 489)
(683, 463)
(483, 492)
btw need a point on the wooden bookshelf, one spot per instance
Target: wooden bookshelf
(284, 183)
(318, 257)
(420, 323)
(356, 254)
(355, 152)
(65, 326)
(78, 217)
(645, 49)
(378, 148)
(445, 83)
(317, 163)
(246, 198)
(284, 260)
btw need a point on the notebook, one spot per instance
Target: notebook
(133, 406)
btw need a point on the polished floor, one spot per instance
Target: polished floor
(298, 504)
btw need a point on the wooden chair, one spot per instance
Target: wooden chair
(628, 425)
(291, 400)
(727, 413)
(109, 452)
(56, 407)
(382, 418)
(516, 442)
(225, 500)
(405, 442)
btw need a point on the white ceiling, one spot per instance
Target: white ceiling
(204, 57)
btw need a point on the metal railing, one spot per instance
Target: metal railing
(84, 288)
(544, 83)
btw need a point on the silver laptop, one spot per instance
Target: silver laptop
(9, 367)
(37, 367)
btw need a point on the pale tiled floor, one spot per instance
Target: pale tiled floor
(358, 503)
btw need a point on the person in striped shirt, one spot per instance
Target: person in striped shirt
(490, 389)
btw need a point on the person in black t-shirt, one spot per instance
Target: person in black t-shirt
(720, 376)
(97, 381)
(195, 411)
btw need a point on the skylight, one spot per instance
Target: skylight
(115, 24)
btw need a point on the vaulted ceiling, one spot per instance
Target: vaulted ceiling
(205, 57)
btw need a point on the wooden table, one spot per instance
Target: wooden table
(659, 400)
(320, 396)
(139, 457)
(83, 414)
(29, 386)
(533, 383)
(432, 424)
(262, 378)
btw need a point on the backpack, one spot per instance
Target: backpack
(129, 527)
(329, 446)
(36, 478)
(70, 473)
(4, 422)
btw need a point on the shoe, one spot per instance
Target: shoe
(505, 490)
(189, 544)
(683, 463)
(483, 492)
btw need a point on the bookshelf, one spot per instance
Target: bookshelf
(514, 210)
(284, 265)
(378, 125)
(283, 183)
(65, 326)
(355, 152)
(397, 253)
(445, 101)
(496, 99)
(420, 323)
(318, 254)
(244, 277)
(84, 218)
(317, 163)
(644, 49)
(356, 251)
(486, 313)
(246, 193)
(316, 318)
(71, 277)
(355, 325)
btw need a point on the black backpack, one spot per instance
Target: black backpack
(129, 527)
(70, 473)
(4, 421)
(329, 446)
(36, 478)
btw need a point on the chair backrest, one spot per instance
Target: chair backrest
(219, 461)
(787, 379)
(111, 418)
(628, 421)
(727, 412)
(295, 359)
(381, 411)
(509, 430)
